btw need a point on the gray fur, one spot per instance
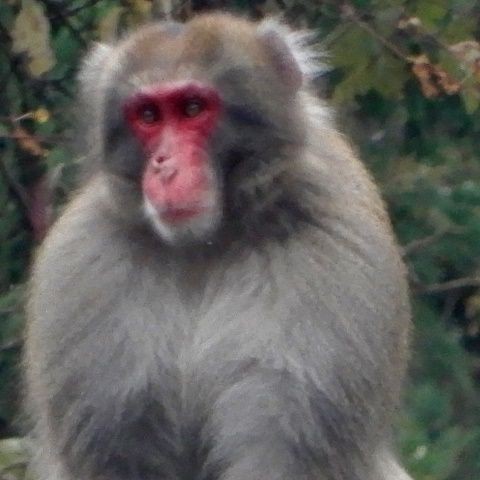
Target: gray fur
(274, 350)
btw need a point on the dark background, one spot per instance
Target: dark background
(405, 80)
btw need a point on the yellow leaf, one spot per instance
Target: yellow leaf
(472, 306)
(31, 35)
(41, 115)
(409, 23)
(142, 7)
(108, 26)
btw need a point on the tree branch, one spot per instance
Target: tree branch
(15, 188)
(446, 286)
(350, 13)
(420, 243)
(14, 344)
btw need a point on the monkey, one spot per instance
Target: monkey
(223, 297)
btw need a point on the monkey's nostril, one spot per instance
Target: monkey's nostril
(159, 159)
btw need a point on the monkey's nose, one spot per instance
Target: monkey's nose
(168, 173)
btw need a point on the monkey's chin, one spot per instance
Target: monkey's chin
(190, 229)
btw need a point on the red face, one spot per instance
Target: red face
(173, 123)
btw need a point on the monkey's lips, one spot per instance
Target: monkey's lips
(175, 215)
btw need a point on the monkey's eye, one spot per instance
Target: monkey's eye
(193, 107)
(149, 113)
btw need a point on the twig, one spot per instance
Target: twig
(449, 305)
(18, 136)
(14, 344)
(446, 286)
(420, 243)
(73, 11)
(350, 13)
(15, 188)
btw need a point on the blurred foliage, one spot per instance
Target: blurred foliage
(405, 79)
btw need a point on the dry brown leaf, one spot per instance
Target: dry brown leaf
(422, 69)
(434, 80)
(468, 53)
(28, 142)
(449, 85)
(476, 69)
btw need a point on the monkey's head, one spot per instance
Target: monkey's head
(202, 122)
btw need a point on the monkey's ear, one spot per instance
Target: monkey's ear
(291, 53)
(93, 65)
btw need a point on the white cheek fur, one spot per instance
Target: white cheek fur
(160, 227)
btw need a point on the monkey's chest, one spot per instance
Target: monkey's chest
(154, 388)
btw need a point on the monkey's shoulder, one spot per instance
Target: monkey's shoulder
(84, 260)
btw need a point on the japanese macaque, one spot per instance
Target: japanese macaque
(223, 298)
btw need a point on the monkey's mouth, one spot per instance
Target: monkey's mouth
(183, 223)
(178, 215)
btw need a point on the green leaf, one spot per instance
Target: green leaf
(388, 76)
(353, 49)
(471, 95)
(13, 457)
(431, 12)
(354, 83)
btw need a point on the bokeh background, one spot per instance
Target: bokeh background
(404, 78)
